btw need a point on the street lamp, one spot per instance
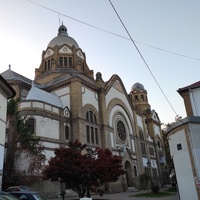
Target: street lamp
(149, 168)
(62, 192)
(89, 153)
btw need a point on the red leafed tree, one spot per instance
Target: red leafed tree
(83, 171)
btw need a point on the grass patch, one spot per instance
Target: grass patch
(171, 189)
(152, 195)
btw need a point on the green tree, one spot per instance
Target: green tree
(19, 141)
(169, 159)
(83, 171)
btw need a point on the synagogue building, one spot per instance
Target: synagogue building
(67, 101)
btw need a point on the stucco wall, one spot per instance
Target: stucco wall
(140, 122)
(195, 99)
(181, 158)
(47, 127)
(89, 97)
(2, 132)
(1, 157)
(195, 145)
(114, 93)
(3, 109)
(64, 95)
(157, 130)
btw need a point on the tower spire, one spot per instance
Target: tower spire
(59, 19)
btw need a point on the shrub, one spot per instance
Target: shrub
(155, 188)
(145, 180)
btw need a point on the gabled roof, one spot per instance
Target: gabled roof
(41, 95)
(192, 86)
(10, 75)
(110, 82)
(63, 78)
(9, 90)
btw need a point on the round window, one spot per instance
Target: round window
(121, 130)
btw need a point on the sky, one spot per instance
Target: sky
(167, 34)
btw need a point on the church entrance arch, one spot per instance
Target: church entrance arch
(129, 175)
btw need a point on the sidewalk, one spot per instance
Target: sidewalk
(125, 196)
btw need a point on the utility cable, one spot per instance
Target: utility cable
(115, 34)
(130, 38)
(142, 57)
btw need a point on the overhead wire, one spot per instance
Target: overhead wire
(115, 34)
(143, 58)
(130, 38)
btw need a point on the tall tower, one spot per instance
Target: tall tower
(62, 56)
(139, 97)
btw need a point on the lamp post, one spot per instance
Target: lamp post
(149, 172)
(62, 192)
(89, 153)
(149, 169)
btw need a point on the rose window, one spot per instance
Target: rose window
(121, 131)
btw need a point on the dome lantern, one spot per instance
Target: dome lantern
(62, 30)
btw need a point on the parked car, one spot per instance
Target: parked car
(19, 188)
(6, 196)
(27, 195)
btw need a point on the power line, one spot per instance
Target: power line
(115, 34)
(142, 57)
(130, 38)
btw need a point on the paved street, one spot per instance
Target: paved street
(126, 196)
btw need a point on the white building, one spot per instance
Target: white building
(184, 141)
(6, 92)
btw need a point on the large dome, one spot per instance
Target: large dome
(137, 86)
(62, 38)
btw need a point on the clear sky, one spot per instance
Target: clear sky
(170, 25)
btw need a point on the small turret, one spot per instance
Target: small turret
(139, 97)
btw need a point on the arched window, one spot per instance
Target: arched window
(151, 151)
(47, 64)
(158, 144)
(143, 146)
(91, 128)
(142, 97)
(31, 125)
(136, 98)
(65, 61)
(129, 175)
(141, 135)
(66, 132)
(135, 170)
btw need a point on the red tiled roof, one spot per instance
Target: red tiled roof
(192, 86)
